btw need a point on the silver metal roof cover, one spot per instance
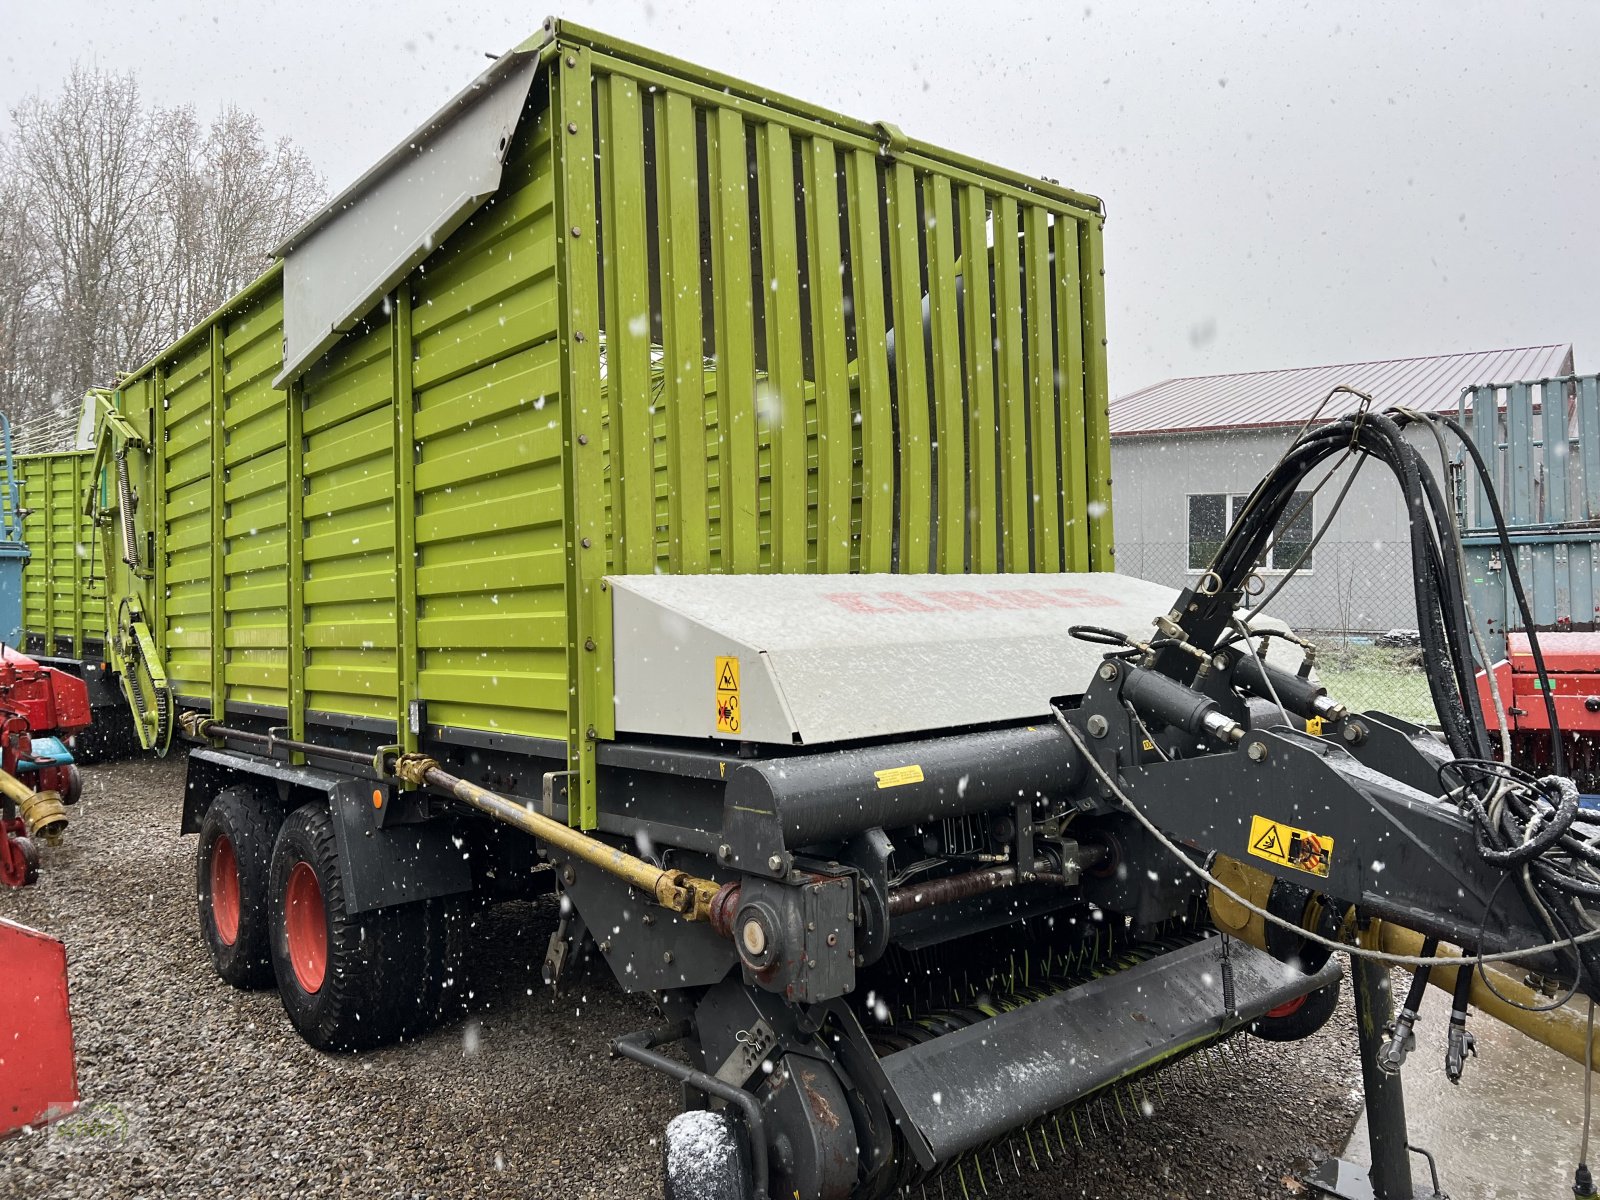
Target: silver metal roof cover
(816, 659)
(339, 264)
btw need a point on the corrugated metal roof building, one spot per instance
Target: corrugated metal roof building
(1186, 452)
(1262, 399)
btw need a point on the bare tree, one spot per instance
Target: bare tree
(24, 328)
(227, 196)
(83, 163)
(121, 225)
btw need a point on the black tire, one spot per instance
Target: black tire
(704, 1158)
(432, 933)
(241, 825)
(1310, 1015)
(363, 991)
(30, 860)
(444, 988)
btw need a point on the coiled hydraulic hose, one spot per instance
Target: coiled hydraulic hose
(1553, 867)
(1440, 587)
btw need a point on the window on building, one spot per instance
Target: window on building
(1208, 521)
(1212, 514)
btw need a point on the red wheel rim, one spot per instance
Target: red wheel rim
(306, 923)
(1289, 1007)
(225, 889)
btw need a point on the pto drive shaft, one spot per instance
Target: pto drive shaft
(677, 890)
(41, 812)
(685, 894)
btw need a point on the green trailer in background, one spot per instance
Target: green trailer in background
(64, 588)
(13, 551)
(63, 611)
(705, 484)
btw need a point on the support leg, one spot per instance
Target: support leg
(1386, 1106)
(1389, 1177)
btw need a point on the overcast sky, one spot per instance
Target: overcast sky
(1286, 184)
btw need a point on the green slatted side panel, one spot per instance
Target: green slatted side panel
(34, 475)
(186, 633)
(255, 561)
(755, 268)
(349, 527)
(665, 344)
(817, 353)
(490, 553)
(63, 585)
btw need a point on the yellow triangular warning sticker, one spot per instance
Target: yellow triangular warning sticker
(727, 676)
(1289, 846)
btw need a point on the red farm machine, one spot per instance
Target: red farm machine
(41, 711)
(39, 708)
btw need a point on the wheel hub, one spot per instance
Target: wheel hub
(306, 926)
(225, 904)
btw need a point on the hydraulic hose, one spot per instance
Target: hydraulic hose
(1557, 752)
(1203, 613)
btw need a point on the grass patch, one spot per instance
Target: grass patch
(1376, 677)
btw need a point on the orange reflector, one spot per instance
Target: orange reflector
(377, 798)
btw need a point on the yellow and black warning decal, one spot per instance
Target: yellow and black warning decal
(899, 776)
(728, 718)
(1290, 847)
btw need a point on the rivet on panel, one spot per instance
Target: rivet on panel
(588, 643)
(583, 439)
(585, 543)
(576, 232)
(572, 127)
(572, 60)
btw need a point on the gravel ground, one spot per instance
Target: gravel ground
(193, 1089)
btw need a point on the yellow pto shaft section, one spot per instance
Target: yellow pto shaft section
(681, 892)
(41, 812)
(1563, 1029)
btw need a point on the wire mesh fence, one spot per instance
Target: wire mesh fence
(1354, 601)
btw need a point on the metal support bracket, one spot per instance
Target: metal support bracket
(549, 793)
(569, 934)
